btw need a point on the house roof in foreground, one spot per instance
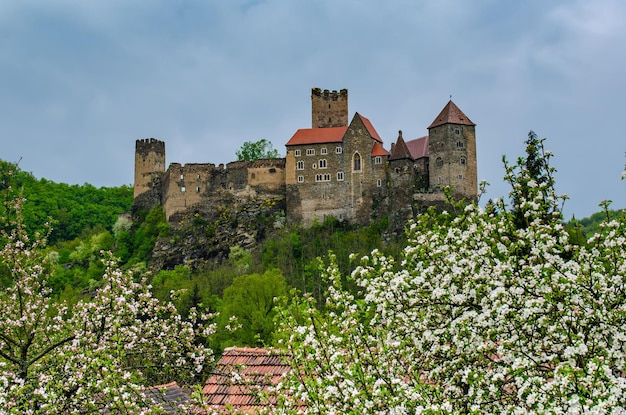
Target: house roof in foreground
(239, 377)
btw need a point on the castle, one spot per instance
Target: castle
(337, 167)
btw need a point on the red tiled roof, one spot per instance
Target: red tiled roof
(370, 128)
(451, 114)
(239, 377)
(418, 147)
(379, 150)
(317, 136)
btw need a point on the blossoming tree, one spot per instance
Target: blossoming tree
(487, 311)
(95, 356)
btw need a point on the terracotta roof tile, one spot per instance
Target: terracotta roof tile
(451, 114)
(317, 136)
(239, 377)
(379, 150)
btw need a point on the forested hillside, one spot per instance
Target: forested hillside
(86, 220)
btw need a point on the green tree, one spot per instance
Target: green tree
(261, 149)
(251, 300)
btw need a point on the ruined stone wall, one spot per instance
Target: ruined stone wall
(192, 186)
(185, 186)
(267, 174)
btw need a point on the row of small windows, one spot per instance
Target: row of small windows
(323, 163)
(324, 177)
(182, 177)
(439, 162)
(323, 150)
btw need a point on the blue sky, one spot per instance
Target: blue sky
(80, 81)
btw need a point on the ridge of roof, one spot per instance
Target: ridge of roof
(369, 127)
(451, 114)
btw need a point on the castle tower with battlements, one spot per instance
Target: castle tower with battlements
(329, 108)
(149, 160)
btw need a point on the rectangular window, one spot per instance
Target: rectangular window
(300, 165)
(338, 150)
(182, 189)
(340, 176)
(197, 189)
(323, 151)
(378, 160)
(182, 176)
(322, 164)
(379, 183)
(460, 144)
(327, 177)
(318, 177)
(300, 179)
(310, 151)
(297, 153)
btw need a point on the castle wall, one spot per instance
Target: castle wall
(191, 185)
(185, 186)
(317, 182)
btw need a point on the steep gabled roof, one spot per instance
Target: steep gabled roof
(451, 114)
(418, 147)
(370, 128)
(379, 150)
(317, 136)
(241, 375)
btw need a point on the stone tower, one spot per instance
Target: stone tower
(149, 162)
(329, 108)
(452, 153)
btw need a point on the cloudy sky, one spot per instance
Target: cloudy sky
(80, 81)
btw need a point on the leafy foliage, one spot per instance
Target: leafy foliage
(256, 150)
(71, 209)
(491, 311)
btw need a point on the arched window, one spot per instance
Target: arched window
(356, 162)
(463, 161)
(439, 162)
